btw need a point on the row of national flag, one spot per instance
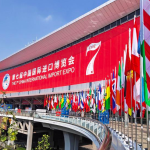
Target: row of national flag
(91, 100)
(131, 90)
(128, 88)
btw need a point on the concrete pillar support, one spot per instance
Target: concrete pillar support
(94, 146)
(51, 134)
(29, 136)
(71, 141)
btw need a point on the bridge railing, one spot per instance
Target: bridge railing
(100, 131)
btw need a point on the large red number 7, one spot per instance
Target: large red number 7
(92, 47)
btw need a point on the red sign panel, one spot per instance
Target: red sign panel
(88, 61)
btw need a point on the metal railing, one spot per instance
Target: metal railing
(100, 131)
(131, 131)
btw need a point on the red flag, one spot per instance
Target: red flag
(76, 103)
(45, 101)
(129, 75)
(49, 102)
(111, 107)
(128, 62)
(135, 57)
(52, 102)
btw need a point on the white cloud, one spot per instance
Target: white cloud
(48, 18)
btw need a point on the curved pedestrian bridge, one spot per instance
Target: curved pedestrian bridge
(92, 129)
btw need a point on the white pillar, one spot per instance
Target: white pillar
(29, 136)
(71, 141)
(94, 146)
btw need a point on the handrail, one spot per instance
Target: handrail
(101, 131)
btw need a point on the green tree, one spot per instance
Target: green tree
(12, 130)
(44, 143)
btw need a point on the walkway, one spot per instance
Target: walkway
(131, 130)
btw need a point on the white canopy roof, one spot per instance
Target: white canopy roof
(97, 18)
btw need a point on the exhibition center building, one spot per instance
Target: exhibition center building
(75, 57)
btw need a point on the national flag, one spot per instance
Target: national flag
(82, 102)
(125, 103)
(145, 51)
(55, 101)
(118, 91)
(52, 102)
(79, 99)
(62, 101)
(103, 95)
(123, 81)
(57, 106)
(145, 93)
(48, 102)
(88, 102)
(65, 102)
(92, 105)
(135, 63)
(129, 75)
(90, 97)
(122, 84)
(100, 100)
(45, 101)
(128, 55)
(111, 107)
(69, 101)
(59, 102)
(107, 102)
(96, 100)
(114, 109)
(76, 103)
(72, 101)
(129, 81)
(123, 68)
(135, 58)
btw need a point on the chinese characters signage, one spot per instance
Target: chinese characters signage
(89, 61)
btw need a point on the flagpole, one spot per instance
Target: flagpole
(124, 78)
(131, 106)
(121, 97)
(111, 97)
(119, 106)
(124, 113)
(135, 108)
(135, 98)
(141, 102)
(131, 75)
(115, 100)
(147, 120)
(141, 67)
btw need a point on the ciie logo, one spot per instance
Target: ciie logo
(6, 81)
(92, 47)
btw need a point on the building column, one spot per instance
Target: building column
(94, 146)
(29, 136)
(51, 134)
(71, 141)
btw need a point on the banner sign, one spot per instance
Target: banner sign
(5, 107)
(88, 61)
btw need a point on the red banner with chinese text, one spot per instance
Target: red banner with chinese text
(89, 61)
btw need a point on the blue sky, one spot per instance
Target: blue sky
(21, 21)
